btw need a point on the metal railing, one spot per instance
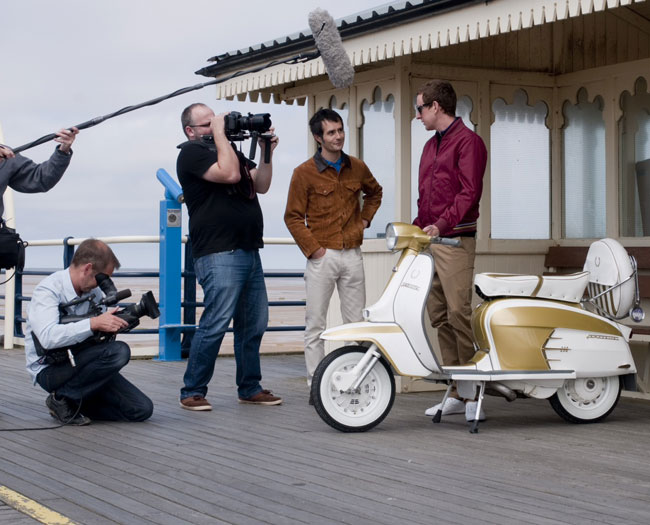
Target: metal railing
(13, 324)
(171, 276)
(189, 304)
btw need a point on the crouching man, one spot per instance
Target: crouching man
(83, 380)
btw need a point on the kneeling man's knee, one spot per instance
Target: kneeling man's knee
(143, 411)
(120, 352)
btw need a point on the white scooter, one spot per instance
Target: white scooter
(535, 336)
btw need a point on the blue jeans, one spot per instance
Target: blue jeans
(233, 289)
(105, 394)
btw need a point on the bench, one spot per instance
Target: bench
(568, 259)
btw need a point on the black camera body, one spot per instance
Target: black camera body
(237, 125)
(240, 127)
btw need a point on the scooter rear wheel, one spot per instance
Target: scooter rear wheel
(587, 400)
(361, 409)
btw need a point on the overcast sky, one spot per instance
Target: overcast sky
(68, 61)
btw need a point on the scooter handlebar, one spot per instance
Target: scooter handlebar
(447, 242)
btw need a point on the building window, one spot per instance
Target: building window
(520, 170)
(634, 169)
(377, 149)
(583, 158)
(419, 137)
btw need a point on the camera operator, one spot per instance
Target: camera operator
(220, 186)
(25, 176)
(88, 385)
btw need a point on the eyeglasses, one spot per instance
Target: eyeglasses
(418, 109)
(206, 125)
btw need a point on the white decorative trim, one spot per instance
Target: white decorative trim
(457, 26)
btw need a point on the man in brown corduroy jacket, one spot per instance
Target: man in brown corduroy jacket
(326, 219)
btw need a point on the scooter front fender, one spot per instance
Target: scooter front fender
(390, 340)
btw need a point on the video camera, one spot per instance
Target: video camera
(131, 313)
(240, 127)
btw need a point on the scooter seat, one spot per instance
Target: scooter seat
(569, 288)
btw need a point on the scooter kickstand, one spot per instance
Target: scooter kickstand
(474, 427)
(438, 415)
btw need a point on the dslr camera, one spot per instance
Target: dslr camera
(240, 127)
(236, 125)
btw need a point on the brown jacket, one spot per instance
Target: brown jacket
(323, 206)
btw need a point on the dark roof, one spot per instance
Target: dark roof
(380, 17)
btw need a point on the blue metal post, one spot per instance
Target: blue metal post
(18, 303)
(169, 331)
(68, 252)
(189, 299)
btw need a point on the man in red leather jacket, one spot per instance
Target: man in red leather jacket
(450, 185)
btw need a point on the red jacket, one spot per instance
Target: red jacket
(451, 180)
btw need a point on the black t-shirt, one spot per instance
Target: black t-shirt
(223, 217)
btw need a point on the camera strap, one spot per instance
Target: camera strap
(56, 356)
(246, 184)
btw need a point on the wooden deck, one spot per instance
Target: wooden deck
(275, 465)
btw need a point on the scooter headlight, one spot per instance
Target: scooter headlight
(391, 237)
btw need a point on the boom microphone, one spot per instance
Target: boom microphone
(329, 45)
(98, 120)
(328, 41)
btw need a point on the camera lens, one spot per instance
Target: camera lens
(235, 124)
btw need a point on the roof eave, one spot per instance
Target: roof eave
(231, 62)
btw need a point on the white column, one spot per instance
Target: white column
(10, 285)
(403, 109)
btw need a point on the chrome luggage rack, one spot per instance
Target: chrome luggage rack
(636, 312)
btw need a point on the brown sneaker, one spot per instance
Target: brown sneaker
(265, 397)
(196, 403)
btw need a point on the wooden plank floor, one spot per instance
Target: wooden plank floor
(282, 465)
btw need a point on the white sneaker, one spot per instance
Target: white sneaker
(470, 411)
(452, 406)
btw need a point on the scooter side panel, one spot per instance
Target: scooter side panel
(590, 354)
(389, 338)
(516, 330)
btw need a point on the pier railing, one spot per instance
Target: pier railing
(14, 296)
(171, 277)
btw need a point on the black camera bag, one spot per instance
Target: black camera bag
(12, 248)
(56, 356)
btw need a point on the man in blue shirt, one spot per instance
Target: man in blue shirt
(87, 384)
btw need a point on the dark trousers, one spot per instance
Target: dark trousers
(96, 382)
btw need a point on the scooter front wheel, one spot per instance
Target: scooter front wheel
(358, 410)
(587, 400)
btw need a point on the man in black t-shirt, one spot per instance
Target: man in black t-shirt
(220, 186)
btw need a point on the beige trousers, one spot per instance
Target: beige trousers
(450, 300)
(343, 268)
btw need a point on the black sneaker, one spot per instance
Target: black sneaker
(64, 412)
